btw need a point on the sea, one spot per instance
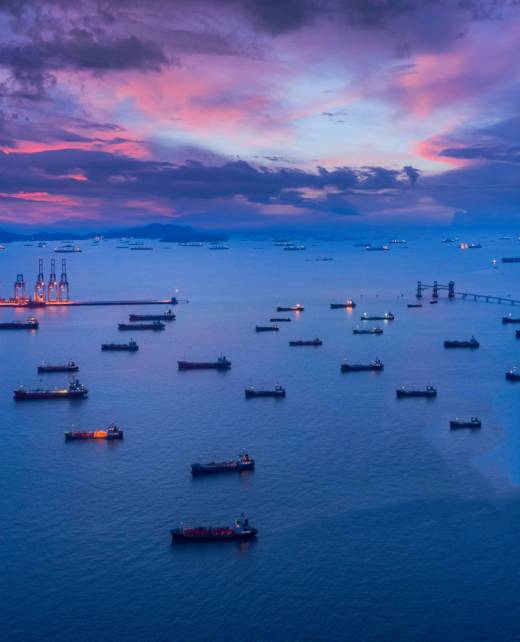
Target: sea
(376, 522)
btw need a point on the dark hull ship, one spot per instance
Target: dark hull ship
(429, 391)
(472, 343)
(30, 324)
(277, 391)
(367, 331)
(312, 342)
(110, 433)
(75, 391)
(376, 366)
(290, 308)
(154, 325)
(267, 328)
(220, 364)
(240, 464)
(241, 530)
(71, 366)
(131, 346)
(474, 422)
(166, 316)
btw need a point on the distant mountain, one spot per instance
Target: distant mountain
(163, 232)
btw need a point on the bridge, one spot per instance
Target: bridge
(435, 287)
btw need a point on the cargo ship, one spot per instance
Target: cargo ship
(30, 324)
(70, 366)
(513, 374)
(311, 342)
(75, 391)
(112, 432)
(154, 325)
(375, 365)
(510, 319)
(511, 259)
(277, 391)
(290, 308)
(166, 316)
(474, 422)
(343, 306)
(222, 363)
(367, 331)
(388, 316)
(266, 328)
(280, 320)
(131, 346)
(472, 343)
(239, 464)
(241, 530)
(429, 391)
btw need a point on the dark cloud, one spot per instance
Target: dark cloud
(113, 177)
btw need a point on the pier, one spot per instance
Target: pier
(56, 293)
(435, 287)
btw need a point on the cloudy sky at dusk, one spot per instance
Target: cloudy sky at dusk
(236, 113)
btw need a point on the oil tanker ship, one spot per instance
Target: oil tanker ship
(290, 308)
(375, 365)
(377, 330)
(30, 324)
(310, 342)
(166, 316)
(75, 391)
(277, 391)
(429, 391)
(110, 433)
(342, 306)
(131, 346)
(154, 325)
(241, 463)
(241, 530)
(222, 363)
(70, 366)
(388, 316)
(472, 343)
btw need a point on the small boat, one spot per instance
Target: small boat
(277, 391)
(474, 422)
(266, 328)
(398, 241)
(433, 302)
(191, 244)
(429, 391)
(469, 246)
(70, 366)
(415, 305)
(241, 530)
(75, 390)
(342, 306)
(375, 365)
(112, 432)
(510, 319)
(450, 240)
(376, 330)
(311, 342)
(513, 374)
(154, 325)
(42, 244)
(166, 316)
(239, 464)
(131, 346)
(290, 308)
(31, 323)
(388, 316)
(472, 343)
(280, 320)
(222, 363)
(141, 248)
(68, 248)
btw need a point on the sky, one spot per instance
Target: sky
(240, 114)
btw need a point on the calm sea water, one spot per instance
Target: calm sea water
(375, 521)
